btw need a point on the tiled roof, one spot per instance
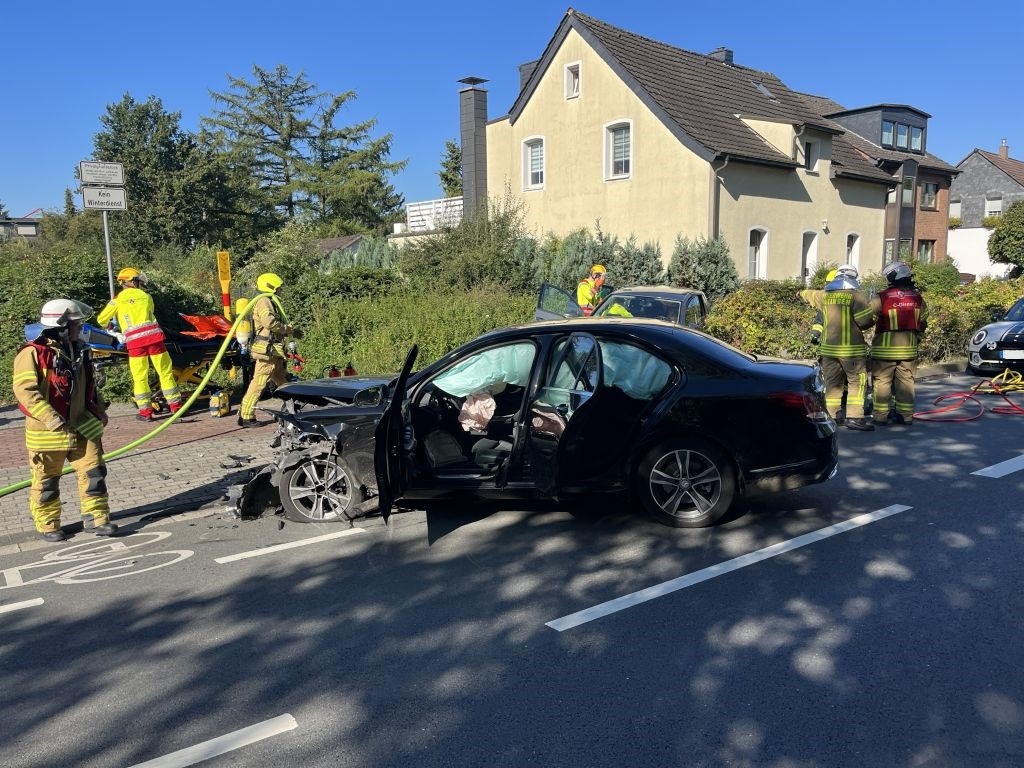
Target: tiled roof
(702, 99)
(331, 244)
(1012, 168)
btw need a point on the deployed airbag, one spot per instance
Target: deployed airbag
(510, 365)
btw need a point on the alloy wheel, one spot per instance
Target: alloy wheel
(685, 484)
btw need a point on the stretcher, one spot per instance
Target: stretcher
(192, 350)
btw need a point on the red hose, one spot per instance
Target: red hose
(936, 414)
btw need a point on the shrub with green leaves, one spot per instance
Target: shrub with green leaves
(764, 317)
(705, 265)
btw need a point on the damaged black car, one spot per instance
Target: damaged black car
(671, 418)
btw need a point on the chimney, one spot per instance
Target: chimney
(473, 129)
(722, 54)
(525, 70)
(1004, 151)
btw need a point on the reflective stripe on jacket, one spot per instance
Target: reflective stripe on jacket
(902, 318)
(845, 316)
(134, 310)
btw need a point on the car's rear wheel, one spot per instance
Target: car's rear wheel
(320, 489)
(686, 483)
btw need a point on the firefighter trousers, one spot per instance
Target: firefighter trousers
(138, 363)
(848, 373)
(893, 378)
(265, 370)
(44, 494)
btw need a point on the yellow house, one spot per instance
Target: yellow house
(656, 141)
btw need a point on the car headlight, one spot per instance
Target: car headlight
(979, 337)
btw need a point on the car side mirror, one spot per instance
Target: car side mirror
(370, 397)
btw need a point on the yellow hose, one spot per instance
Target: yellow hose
(174, 416)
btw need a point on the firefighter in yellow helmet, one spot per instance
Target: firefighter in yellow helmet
(55, 386)
(134, 310)
(270, 329)
(590, 293)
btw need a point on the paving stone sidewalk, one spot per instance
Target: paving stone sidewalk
(188, 466)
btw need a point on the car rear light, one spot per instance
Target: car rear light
(812, 405)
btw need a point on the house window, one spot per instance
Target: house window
(994, 207)
(757, 254)
(954, 209)
(926, 251)
(811, 153)
(916, 139)
(853, 249)
(929, 196)
(905, 249)
(890, 252)
(618, 151)
(902, 132)
(908, 190)
(533, 163)
(808, 256)
(891, 198)
(888, 131)
(572, 80)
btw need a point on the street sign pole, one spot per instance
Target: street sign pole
(110, 262)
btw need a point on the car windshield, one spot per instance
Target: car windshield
(1016, 312)
(641, 306)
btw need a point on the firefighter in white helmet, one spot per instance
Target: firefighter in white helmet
(54, 383)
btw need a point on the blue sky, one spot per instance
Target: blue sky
(62, 63)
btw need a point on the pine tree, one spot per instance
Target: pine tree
(705, 265)
(451, 170)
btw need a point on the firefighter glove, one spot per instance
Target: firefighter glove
(815, 337)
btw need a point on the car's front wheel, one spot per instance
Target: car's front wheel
(320, 489)
(686, 483)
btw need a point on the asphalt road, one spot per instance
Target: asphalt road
(889, 639)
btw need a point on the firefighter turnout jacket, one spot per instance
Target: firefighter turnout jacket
(902, 318)
(270, 326)
(134, 310)
(56, 390)
(845, 315)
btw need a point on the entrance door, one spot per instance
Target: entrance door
(808, 257)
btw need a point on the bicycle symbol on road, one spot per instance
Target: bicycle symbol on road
(95, 561)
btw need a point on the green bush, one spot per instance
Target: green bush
(953, 319)
(955, 222)
(937, 279)
(764, 317)
(990, 222)
(705, 265)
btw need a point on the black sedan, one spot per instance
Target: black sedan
(682, 306)
(1000, 344)
(682, 421)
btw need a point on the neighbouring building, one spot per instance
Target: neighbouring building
(656, 141)
(988, 184)
(26, 227)
(895, 137)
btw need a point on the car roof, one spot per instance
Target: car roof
(656, 291)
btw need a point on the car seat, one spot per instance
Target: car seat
(491, 453)
(442, 449)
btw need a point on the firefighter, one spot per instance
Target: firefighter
(270, 327)
(55, 386)
(902, 318)
(133, 308)
(590, 291)
(845, 315)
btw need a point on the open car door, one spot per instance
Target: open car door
(395, 442)
(554, 303)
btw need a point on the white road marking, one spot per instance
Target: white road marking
(628, 601)
(22, 604)
(1003, 468)
(222, 744)
(289, 545)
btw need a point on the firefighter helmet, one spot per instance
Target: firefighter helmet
(598, 269)
(57, 313)
(268, 282)
(128, 273)
(847, 270)
(896, 272)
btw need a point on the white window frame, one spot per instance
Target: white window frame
(808, 261)
(929, 246)
(573, 76)
(924, 196)
(993, 207)
(528, 143)
(761, 265)
(853, 255)
(609, 137)
(955, 206)
(812, 155)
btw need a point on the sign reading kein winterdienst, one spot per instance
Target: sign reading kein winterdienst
(106, 194)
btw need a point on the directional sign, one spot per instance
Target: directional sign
(105, 198)
(101, 173)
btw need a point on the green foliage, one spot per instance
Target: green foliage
(451, 169)
(764, 317)
(290, 252)
(937, 279)
(316, 292)
(566, 261)
(633, 264)
(480, 250)
(373, 252)
(705, 265)
(990, 222)
(820, 276)
(953, 319)
(1006, 245)
(375, 333)
(955, 222)
(4, 213)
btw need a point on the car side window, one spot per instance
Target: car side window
(694, 319)
(638, 373)
(574, 365)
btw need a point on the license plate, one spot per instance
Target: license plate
(1013, 354)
